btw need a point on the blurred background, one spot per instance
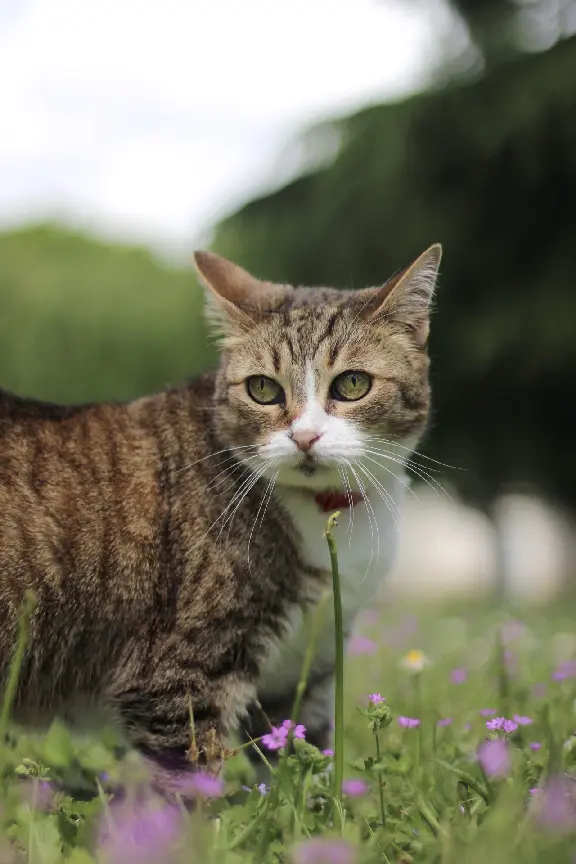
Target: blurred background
(312, 141)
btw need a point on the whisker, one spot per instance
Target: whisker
(415, 452)
(246, 485)
(212, 455)
(348, 493)
(383, 492)
(229, 470)
(267, 495)
(420, 472)
(368, 509)
(243, 492)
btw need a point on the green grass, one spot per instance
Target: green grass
(423, 797)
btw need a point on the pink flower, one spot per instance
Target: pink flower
(445, 721)
(502, 724)
(276, 738)
(327, 752)
(565, 670)
(359, 644)
(204, 785)
(554, 806)
(322, 850)
(140, 833)
(494, 757)
(375, 698)
(408, 722)
(487, 712)
(522, 721)
(459, 675)
(354, 787)
(535, 745)
(299, 730)
(38, 793)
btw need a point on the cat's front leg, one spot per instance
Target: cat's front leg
(178, 731)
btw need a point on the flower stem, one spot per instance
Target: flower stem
(28, 605)
(339, 663)
(380, 782)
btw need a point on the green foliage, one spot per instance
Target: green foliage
(484, 168)
(426, 798)
(85, 320)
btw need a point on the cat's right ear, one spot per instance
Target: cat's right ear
(230, 294)
(234, 298)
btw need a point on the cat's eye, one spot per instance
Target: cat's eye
(265, 390)
(350, 386)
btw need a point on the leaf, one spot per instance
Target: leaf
(467, 778)
(57, 747)
(80, 856)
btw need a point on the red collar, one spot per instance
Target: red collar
(332, 499)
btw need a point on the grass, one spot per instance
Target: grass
(410, 792)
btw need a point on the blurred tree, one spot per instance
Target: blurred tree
(500, 28)
(489, 168)
(82, 319)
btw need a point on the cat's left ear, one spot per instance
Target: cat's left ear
(406, 298)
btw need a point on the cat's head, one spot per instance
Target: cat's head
(317, 381)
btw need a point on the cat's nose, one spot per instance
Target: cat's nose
(304, 439)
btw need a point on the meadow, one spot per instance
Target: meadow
(458, 746)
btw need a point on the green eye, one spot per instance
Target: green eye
(265, 390)
(350, 386)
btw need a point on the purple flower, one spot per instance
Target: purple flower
(355, 787)
(359, 644)
(459, 675)
(565, 670)
(262, 788)
(140, 833)
(501, 724)
(276, 738)
(535, 745)
(408, 722)
(494, 757)
(299, 730)
(487, 712)
(38, 793)
(322, 850)
(375, 698)
(554, 806)
(522, 721)
(327, 752)
(203, 785)
(445, 721)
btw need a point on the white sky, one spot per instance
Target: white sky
(148, 119)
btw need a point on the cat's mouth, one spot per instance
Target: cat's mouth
(309, 466)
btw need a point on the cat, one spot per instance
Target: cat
(173, 542)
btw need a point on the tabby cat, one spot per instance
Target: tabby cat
(173, 542)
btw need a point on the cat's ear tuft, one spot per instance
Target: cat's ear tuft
(406, 298)
(233, 296)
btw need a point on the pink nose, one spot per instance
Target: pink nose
(304, 439)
